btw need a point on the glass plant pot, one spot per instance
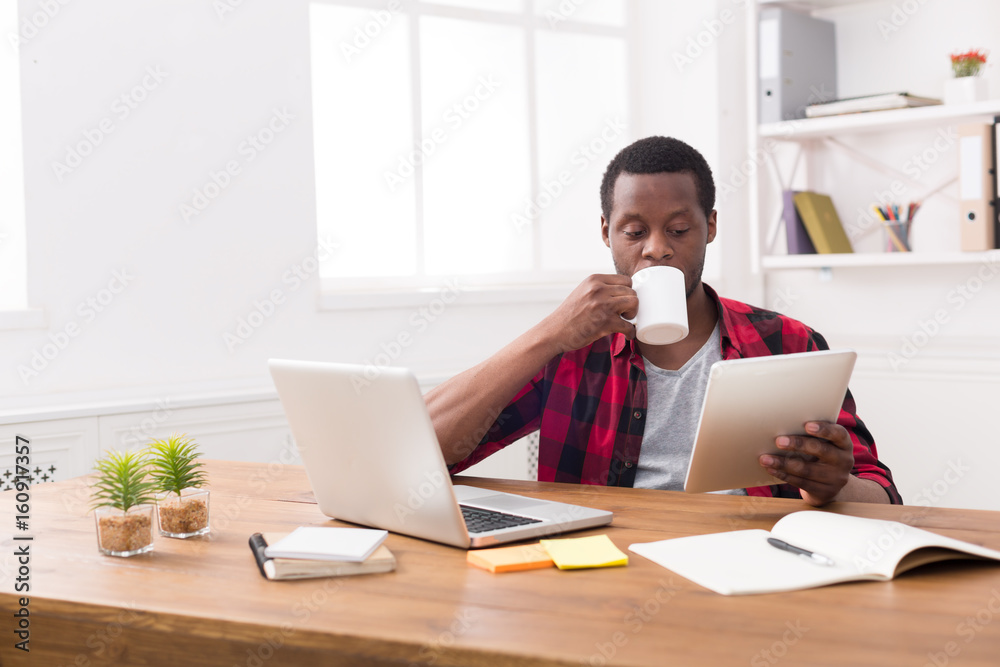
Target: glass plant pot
(124, 533)
(185, 515)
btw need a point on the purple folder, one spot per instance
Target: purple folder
(799, 242)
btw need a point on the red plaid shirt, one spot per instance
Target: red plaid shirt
(589, 405)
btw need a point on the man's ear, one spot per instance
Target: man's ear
(711, 226)
(604, 232)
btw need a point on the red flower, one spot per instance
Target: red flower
(974, 54)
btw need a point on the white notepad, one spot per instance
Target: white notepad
(742, 562)
(327, 543)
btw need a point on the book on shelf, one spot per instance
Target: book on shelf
(880, 102)
(278, 569)
(806, 549)
(822, 222)
(795, 232)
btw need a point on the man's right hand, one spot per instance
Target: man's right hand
(593, 310)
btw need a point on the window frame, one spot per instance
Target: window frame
(529, 286)
(14, 231)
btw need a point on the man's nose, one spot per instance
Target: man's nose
(658, 246)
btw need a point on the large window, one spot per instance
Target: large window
(13, 267)
(465, 138)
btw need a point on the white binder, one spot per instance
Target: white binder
(976, 181)
(797, 64)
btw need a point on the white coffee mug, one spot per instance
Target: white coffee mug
(662, 318)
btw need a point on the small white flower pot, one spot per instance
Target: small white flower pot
(966, 90)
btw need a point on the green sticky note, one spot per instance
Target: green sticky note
(579, 552)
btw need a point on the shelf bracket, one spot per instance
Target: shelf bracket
(775, 228)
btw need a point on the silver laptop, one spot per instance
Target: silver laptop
(372, 458)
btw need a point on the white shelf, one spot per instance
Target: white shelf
(810, 4)
(818, 8)
(876, 259)
(873, 121)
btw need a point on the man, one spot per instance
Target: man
(615, 411)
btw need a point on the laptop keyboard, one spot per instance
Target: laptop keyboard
(480, 521)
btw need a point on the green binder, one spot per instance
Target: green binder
(822, 223)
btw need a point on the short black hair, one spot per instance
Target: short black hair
(655, 155)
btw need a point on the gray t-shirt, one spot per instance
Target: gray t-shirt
(674, 401)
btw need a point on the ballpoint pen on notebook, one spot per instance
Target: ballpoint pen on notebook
(798, 551)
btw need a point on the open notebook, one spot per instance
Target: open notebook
(743, 562)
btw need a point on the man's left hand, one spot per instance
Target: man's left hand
(819, 463)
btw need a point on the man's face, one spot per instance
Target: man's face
(656, 221)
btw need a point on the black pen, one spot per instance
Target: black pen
(798, 551)
(257, 546)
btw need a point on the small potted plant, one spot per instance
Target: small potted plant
(967, 86)
(181, 505)
(122, 500)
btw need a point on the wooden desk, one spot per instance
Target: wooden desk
(203, 602)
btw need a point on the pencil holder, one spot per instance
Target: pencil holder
(897, 236)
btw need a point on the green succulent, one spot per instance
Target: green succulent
(121, 481)
(173, 466)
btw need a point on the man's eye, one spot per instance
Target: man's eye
(678, 232)
(635, 234)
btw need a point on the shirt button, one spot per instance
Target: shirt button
(637, 414)
(628, 464)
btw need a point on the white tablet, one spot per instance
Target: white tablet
(750, 402)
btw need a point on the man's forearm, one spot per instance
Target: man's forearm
(860, 490)
(463, 408)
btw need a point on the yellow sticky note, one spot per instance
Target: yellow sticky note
(511, 559)
(580, 552)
